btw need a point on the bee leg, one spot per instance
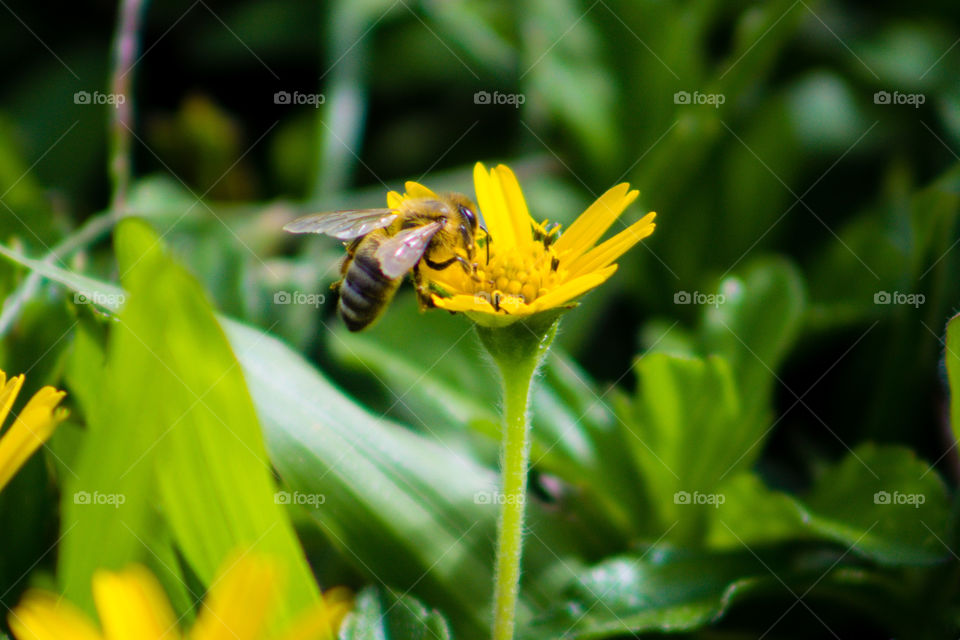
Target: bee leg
(440, 266)
(424, 301)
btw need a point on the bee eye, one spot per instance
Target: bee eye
(468, 214)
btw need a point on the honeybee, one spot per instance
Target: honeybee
(383, 245)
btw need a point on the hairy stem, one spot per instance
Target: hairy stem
(518, 349)
(515, 457)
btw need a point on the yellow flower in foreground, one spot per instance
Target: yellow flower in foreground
(32, 427)
(532, 267)
(133, 606)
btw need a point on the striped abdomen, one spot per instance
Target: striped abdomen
(364, 292)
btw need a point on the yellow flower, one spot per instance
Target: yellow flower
(32, 427)
(132, 606)
(532, 267)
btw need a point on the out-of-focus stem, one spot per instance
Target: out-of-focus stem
(125, 48)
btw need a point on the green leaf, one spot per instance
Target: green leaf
(383, 613)
(174, 427)
(881, 503)
(403, 508)
(754, 326)
(952, 358)
(752, 514)
(658, 591)
(102, 294)
(400, 506)
(687, 435)
(428, 381)
(884, 504)
(440, 388)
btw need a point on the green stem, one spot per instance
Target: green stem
(91, 230)
(125, 48)
(518, 349)
(514, 459)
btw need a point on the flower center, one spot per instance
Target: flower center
(526, 274)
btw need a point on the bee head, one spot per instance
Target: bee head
(465, 211)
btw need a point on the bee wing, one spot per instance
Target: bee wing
(400, 253)
(343, 225)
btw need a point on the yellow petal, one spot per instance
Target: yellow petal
(322, 621)
(45, 616)
(605, 253)
(239, 601)
(514, 305)
(131, 604)
(8, 393)
(338, 595)
(496, 216)
(417, 190)
(594, 222)
(463, 302)
(31, 429)
(572, 289)
(515, 203)
(394, 199)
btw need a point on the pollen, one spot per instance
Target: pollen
(518, 274)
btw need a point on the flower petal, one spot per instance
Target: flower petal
(31, 429)
(322, 621)
(394, 199)
(605, 253)
(237, 605)
(572, 289)
(417, 190)
(516, 204)
(463, 302)
(8, 393)
(131, 604)
(594, 222)
(493, 208)
(46, 616)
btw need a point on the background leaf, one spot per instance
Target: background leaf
(187, 438)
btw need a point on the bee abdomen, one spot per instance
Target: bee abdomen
(364, 293)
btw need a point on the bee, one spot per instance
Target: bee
(383, 245)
